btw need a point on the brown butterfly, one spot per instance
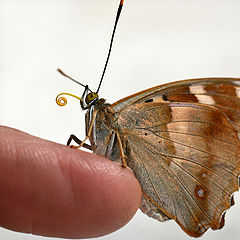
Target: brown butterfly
(182, 142)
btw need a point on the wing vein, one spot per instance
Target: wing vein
(225, 160)
(183, 185)
(194, 162)
(183, 121)
(148, 175)
(201, 184)
(195, 135)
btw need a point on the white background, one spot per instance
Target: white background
(157, 41)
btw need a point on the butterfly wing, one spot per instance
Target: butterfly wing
(182, 142)
(223, 93)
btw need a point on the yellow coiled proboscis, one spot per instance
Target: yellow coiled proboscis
(62, 101)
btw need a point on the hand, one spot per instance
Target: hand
(51, 190)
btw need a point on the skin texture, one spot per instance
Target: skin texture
(51, 190)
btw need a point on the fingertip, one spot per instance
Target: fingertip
(51, 190)
(107, 195)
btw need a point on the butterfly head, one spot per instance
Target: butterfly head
(91, 98)
(88, 98)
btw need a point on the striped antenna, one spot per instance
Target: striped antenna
(111, 43)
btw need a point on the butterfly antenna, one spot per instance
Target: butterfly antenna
(65, 75)
(111, 43)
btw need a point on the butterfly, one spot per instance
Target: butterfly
(182, 141)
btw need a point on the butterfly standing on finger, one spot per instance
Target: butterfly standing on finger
(180, 139)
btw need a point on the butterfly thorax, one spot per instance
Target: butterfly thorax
(103, 134)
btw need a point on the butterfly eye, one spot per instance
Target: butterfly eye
(91, 97)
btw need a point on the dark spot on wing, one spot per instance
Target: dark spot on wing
(149, 100)
(165, 98)
(137, 122)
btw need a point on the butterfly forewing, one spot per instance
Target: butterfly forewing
(224, 96)
(182, 142)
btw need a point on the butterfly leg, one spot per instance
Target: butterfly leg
(78, 141)
(122, 155)
(90, 128)
(82, 143)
